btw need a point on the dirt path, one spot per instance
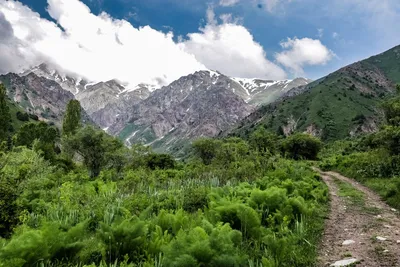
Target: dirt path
(370, 226)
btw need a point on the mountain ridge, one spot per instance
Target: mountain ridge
(342, 104)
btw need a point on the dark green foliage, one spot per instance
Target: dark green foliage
(264, 141)
(373, 159)
(392, 111)
(89, 144)
(206, 149)
(5, 116)
(8, 206)
(389, 138)
(160, 161)
(45, 135)
(97, 149)
(33, 117)
(22, 116)
(301, 146)
(72, 118)
(98, 203)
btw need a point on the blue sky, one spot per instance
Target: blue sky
(347, 30)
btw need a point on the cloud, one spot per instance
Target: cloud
(100, 48)
(231, 49)
(380, 16)
(228, 2)
(94, 47)
(335, 35)
(299, 53)
(320, 33)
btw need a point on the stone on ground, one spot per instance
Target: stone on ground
(345, 262)
(379, 238)
(348, 242)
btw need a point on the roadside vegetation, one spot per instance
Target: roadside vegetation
(372, 159)
(78, 197)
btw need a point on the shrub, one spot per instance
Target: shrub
(22, 116)
(301, 146)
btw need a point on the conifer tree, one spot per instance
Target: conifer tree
(5, 116)
(72, 117)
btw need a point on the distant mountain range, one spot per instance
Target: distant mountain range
(200, 104)
(208, 103)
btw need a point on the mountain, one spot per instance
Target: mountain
(259, 92)
(73, 85)
(39, 96)
(200, 104)
(103, 101)
(342, 104)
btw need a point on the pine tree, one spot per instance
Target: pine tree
(72, 117)
(5, 116)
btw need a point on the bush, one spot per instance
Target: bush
(160, 161)
(22, 116)
(301, 146)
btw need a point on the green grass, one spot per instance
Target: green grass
(14, 108)
(387, 189)
(388, 62)
(348, 192)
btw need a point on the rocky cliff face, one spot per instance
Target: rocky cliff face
(103, 101)
(260, 92)
(68, 83)
(37, 95)
(200, 104)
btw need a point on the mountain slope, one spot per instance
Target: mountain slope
(39, 96)
(200, 104)
(342, 104)
(258, 92)
(103, 101)
(73, 85)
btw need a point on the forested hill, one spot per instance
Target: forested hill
(344, 103)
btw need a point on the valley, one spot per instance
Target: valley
(130, 143)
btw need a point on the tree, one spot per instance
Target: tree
(88, 143)
(22, 116)
(206, 149)
(72, 118)
(264, 141)
(232, 150)
(39, 136)
(392, 109)
(301, 146)
(97, 149)
(160, 161)
(5, 116)
(389, 138)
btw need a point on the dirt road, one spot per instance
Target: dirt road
(361, 228)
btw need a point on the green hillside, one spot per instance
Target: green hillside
(15, 121)
(344, 103)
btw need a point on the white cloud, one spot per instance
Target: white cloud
(100, 48)
(95, 47)
(299, 53)
(228, 2)
(231, 49)
(271, 4)
(320, 33)
(335, 35)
